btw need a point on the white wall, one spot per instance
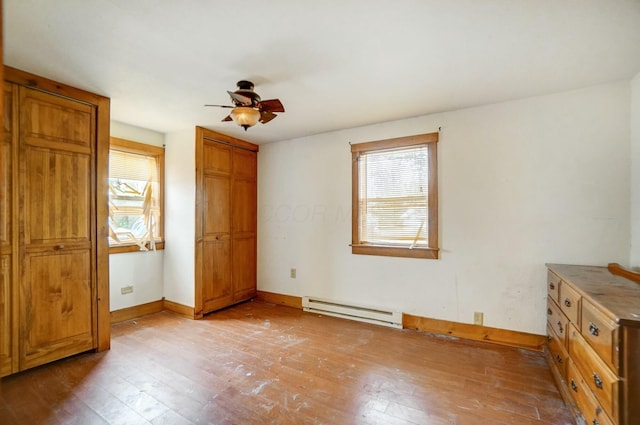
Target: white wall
(521, 183)
(179, 223)
(143, 270)
(635, 172)
(136, 134)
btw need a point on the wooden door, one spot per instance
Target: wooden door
(244, 207)
(217, 285)
(57, 238)
(226, 221)
(6, 236)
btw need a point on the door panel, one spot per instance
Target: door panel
(57, 314)
(216, 275)
(7, 324)
(217, 286)
(245, 164)
(57, 197)
(244, 268)
(244, 206)
(5, 315)
(6, 169)
(216, 158)
(57, 285)
(216, 214)
(5, 199)
(56, 121)
(245, 199)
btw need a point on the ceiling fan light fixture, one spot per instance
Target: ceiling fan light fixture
(245, 116)
(248, 108)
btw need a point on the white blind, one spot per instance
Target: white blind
(393, 196)
(132, 166)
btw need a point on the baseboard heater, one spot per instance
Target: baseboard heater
(373, 315)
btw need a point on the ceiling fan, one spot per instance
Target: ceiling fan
(248, 108)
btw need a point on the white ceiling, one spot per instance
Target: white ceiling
(334, 63)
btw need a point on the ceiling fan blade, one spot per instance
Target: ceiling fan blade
(222, 106)
(243, 100)
(227, 118)
(266, 116)
(271, 105)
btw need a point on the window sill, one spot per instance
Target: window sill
(395, 251)
(120, 249)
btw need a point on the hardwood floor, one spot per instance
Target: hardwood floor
(259, 363)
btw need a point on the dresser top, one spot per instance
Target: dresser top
(617, 294)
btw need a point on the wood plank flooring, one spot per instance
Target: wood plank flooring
(259, 363)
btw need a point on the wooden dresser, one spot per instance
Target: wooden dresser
(593, 327)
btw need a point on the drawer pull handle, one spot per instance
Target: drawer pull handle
(552, 286)
(560, 329)
(549, 312)
(593, 329)
(574, 387)
(548, 338)
(58, 247)
(567, 302)
(559, 358)
(597, 380)
(595, 422)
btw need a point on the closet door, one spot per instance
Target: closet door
(244, 207)
(57, 238)
(226, 221)
(217, 286)
(6, 237)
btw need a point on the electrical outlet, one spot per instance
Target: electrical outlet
(126, 289)
(293, 273)
(478, 318)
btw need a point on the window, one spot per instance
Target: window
(136, 180)
(395, 197)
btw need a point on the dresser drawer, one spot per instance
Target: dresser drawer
(603, 383)
(557, 320)
(569, 302)
(558, 351)
(553, 284)
(588, 405)
(601, 333)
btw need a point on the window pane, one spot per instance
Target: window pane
(134, 205)
(393, 196)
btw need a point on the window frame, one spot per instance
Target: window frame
(430, 140)
(157, 153)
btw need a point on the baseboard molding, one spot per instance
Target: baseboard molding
(475, 332)
(136, 311)
(460, 330)
(180, 309)
(281, 299)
